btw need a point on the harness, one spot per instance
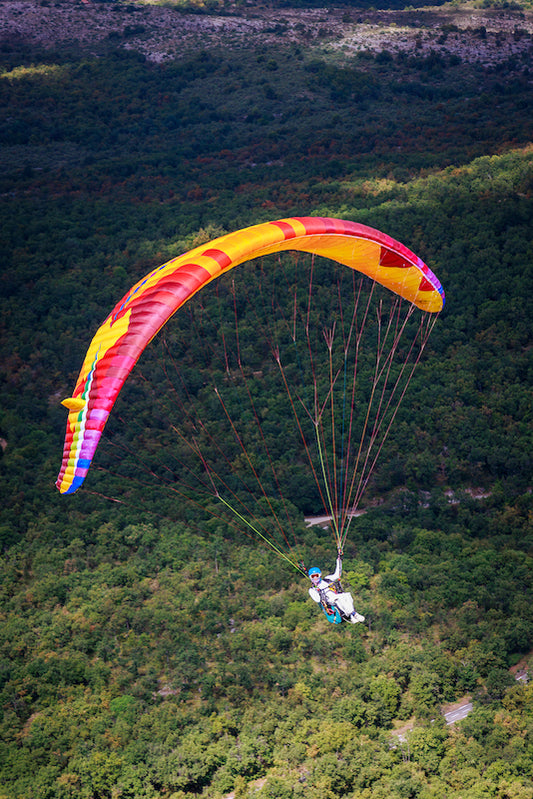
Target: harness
(333, 585)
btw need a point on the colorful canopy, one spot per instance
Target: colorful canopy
(137, 318)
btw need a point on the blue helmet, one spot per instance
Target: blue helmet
(314, 570)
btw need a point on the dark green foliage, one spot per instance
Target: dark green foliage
(148, 647)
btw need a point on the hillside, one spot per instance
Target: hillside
(152, 646)
(169, 31)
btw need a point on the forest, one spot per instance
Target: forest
(152, 646)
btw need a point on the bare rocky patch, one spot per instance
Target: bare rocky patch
(163, 33)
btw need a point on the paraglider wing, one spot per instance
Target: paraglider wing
(143, 311)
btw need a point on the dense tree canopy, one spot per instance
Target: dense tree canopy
(149, 647)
